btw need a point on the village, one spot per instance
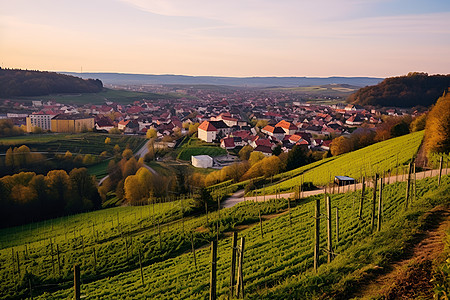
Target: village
(230, 119)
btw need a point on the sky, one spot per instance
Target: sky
(378, 38)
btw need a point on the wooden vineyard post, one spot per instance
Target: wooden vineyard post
(374, 199)
(76, 282)
(380, 198)
(159, 233)
(233, 262)
(212, 286)
(260, 224)
(337, 225)
(414, 187)
(31, 290)
(408, 183)
(240, 277)
(140, 266)
(289, 210)
(361, 203)
(316, 235)
(206, 210)
(329, 241)
(18, 263)
(53, 261)
(95, 259)
(59, 261)
(440, 169)
(193, 250)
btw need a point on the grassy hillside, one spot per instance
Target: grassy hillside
(197, 147)
(119, 96)
(279, 265)
(377, 158)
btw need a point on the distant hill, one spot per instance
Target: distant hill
(137, 79)
(19, 83)
(411, 90)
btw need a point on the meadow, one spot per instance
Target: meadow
(197, 147)
(76, 143)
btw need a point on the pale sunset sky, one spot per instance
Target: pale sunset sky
(227, 38)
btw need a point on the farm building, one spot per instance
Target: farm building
(343, 180)
(202, 161)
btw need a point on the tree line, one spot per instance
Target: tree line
(19, 83)
(27, 196)
(414, 89)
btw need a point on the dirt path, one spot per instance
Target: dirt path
(410, 278)
(239, 195)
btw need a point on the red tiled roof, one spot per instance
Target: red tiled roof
(286, 125)
(207, 126)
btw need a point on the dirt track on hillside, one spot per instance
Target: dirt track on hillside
(410, 278)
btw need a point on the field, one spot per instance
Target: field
(277, 265)
(381, 157)
(118, 96)
(76, 143)
(197, 147)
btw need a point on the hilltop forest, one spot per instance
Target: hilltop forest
(414, 89)
(20, 83)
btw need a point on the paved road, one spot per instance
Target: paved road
(144, 150)
(239, 195)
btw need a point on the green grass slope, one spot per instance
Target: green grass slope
(279, 265)
(377, 158)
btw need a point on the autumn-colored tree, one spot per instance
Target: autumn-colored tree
(193, 128)
(114, 130)
(418, 123)
(255, 157)
(9, 158)
(244, 153)
(151, 133)
(341, 145)
(130, 167)
(271, 166)
(58, 184)
(68, 155)
(261, 123)
(437, 129)
(127, 153)
(107, 140)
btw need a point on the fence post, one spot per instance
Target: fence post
(408, 183)
(379, 205)
(140, 266)
(212, 284)
(361, 203)
(329, 241)
(240, 279)
(337, 225)
(289, 210)
(193, 250)
(260, 224)
(440, 169)
(374, 199)
(59, 261)
(76, 282)
(233, 262)
(316, 235)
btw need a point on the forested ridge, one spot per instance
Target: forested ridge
(19, 83)
(414, 89)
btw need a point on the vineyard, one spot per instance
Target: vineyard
(109, 245)
(391, 155)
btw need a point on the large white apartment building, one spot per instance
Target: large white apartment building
(39, 120)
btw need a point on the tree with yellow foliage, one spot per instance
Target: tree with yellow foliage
(437, 129)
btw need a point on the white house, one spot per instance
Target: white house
(207, 132)
(202, 161)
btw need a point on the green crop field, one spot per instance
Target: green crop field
(77, 143)
(277, 265)
(119, 96)
(377, 158)
(197, 147)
